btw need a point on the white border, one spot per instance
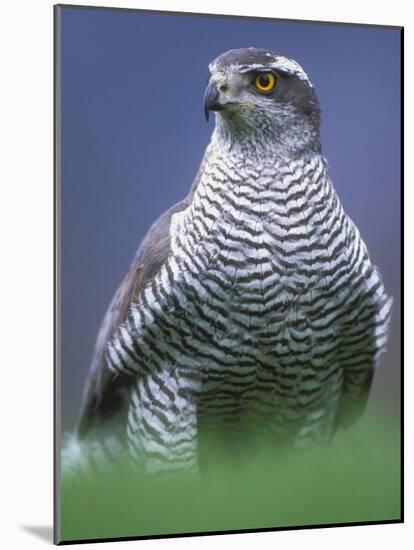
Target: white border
(26, 273)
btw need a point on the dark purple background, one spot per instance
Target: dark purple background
(133, 135)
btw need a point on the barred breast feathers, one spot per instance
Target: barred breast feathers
(275, 233)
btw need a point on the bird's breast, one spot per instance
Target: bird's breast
(237, 272)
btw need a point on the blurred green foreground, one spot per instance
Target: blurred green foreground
(356, 480)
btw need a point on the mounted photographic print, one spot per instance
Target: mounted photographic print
(228, 274)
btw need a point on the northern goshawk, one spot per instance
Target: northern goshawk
(252, 307)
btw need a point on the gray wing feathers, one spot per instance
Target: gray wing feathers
(104, 390)
(364, 343)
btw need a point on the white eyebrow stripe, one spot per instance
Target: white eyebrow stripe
(252, 67)
(290, 66)
(280, 62)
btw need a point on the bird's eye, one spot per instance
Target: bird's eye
(265, 82)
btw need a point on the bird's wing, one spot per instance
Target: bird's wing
(364, 341)
(104, 390)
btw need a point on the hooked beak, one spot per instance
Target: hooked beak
(211, 99)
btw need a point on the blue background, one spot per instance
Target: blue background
(133, 134)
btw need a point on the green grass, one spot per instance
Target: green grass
(356, 480)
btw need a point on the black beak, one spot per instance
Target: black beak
(211, 99)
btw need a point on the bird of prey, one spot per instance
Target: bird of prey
(252, 306)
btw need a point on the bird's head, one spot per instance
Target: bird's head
(261, 95)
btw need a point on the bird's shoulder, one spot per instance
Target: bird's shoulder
(150, 256)
(102, 396)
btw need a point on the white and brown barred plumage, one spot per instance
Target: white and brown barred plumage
(252, 306)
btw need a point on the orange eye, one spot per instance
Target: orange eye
(265, 82)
